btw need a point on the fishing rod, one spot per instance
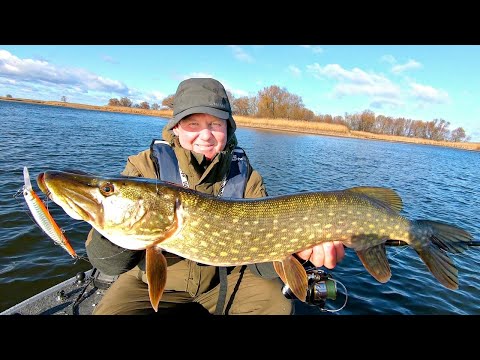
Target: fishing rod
(403, 243)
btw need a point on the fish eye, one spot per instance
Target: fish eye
(107, 189)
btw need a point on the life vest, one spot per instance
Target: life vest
(164, 157)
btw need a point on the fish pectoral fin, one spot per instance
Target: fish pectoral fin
(156, 272)
(176, 225)
(155, 262)
(294, 275)
(278, 266)
(374, 259)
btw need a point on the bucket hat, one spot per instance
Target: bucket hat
(201, 95)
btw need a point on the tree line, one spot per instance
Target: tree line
(126, 102)
(274, 102)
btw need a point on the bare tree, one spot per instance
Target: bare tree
(231, 97)
(125, 101)
(240, 106)
(144, 105)
(458, 135)
(114, 102)
(168, 101)
(272, 102)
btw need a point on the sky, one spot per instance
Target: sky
(418, 82)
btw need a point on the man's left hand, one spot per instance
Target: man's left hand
(327, 254)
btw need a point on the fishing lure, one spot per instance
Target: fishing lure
(42, 216)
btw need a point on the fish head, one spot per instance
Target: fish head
(133, 213)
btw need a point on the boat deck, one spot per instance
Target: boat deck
(75, 296)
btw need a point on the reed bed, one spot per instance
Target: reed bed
(475, 146)
(292, 125)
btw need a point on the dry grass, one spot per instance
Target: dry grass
(271, 124)
(457, 145)
(293, 125)
(341, 130)
(159, 113)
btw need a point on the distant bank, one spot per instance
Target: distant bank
(269, 124)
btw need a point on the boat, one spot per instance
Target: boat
(81, 293)
(75, 296)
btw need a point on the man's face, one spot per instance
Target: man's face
(203, 133)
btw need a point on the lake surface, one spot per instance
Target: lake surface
(435, 183)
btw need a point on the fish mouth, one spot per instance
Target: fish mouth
(41, 183)
(72, 192)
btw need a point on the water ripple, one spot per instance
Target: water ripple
(435, 183)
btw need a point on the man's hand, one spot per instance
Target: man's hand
(327, 254)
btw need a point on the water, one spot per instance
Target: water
(435, 183)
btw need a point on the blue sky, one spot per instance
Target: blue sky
(420, 82)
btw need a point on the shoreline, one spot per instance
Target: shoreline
(258, 124)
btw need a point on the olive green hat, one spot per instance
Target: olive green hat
(201, 95)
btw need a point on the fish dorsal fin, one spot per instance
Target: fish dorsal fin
(156, 272)
(294, 275)
(385, 195)
(375, 260)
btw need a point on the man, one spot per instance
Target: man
(199, 151)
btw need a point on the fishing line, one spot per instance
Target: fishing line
(108, 257)
(344, 303)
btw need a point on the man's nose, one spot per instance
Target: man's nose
(206, 133)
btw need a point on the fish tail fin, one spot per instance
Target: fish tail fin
(432, 240)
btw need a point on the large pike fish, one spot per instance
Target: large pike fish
(139, 213)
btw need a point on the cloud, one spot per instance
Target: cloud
(295, 71)
(41, 72)
(474, 134)
(411, 64)
(240, 54)
(386, 103)
(150, 97)
(355, 81)
(234, 91)
(7, 81)
(197, 75)
(315, 48)
(109, 59)
(428, 94)
(388, 59)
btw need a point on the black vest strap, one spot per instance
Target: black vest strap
(165, 159)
